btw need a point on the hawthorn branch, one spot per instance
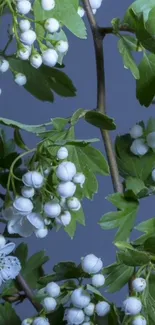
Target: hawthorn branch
(28, 292)
(101, 104)
(109, 30)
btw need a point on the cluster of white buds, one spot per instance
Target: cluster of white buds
(139, 146)
(36, 321)
(49, 295)
(95, 4)
(82, 307)
(22, 216)
(132, 306)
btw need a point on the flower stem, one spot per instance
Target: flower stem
(28, 292)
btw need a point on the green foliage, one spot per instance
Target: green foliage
(123, 219)
(145, 85)
(100, 120)
(8, 315)
(148, 227)
(117, 275)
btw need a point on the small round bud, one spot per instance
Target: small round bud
(41, 321)
(139, 147)
(48, 4)
(2, 241)
(23, 7)
(20, 79)
(27, 321)
(132, 306)
(62, 46)
(73, 204)
(23, 53)
(49, 304)
(86, 323)
(89, 310)
(33, 179)
(62, 153)
(52, 25)
(66, 171)
(91, 264)
(80, 298)
(139, 284)
(52, 289)
(24, 25)
(23, 205)
(27, 192)
(102, 308)
(36, 60)
(4, 65)
(81, 11)
(50, 57)
(153, 175)
(41, 233)
(95, 4)
(79, 178)
(75, 316)
(136, 131)
(151, 140)
(66, 189)
(98, 280)
(65, 218)
(52, 209)
(28, 37)
(139, 320)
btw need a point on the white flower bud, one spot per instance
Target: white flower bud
(66, 171)
(62, 153)
(75, 316)
(20, 79)
(136, 131)
(49, 304)
(81, 11)
(52, 25)
(27, 321)
(87, 319)
(80, 298)
(153, 174)
(151, 140)
(27, 192)
(66, 189)
(102, 308)
(47, 221)
(86, 323)
(79, 178)
(41, 321)
(65, 218)
(132, 306)
(24, 25)
(23, 53)
(2, 241)
(91, 264)
(23, 205)
(139, 147)
(41, 233)
(62, 46)
(95, 4)
(28, 37)
(33, 179)
(73, 204)
(98, 280)
(139, 320)
(52, 209)
(36, 60)
(52, 289)
(23, 7)
(50, 57)
(89, 310)
(139, 284)
(36, 220)
(48, 4)
(4, 65)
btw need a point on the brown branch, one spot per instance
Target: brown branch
(110, 30)
(101, 105)
(28, 292)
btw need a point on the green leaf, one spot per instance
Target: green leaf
(77, 217)
(150, 126)
(19, 140)
(123, 220)
(131, 165)
(133, 257)
(41, 82)
(94, 290)
(29, 128)
(59, 123)
(22, 253)
(138, 7)
(64, 271)
(77, 115)
(65, 13)
(8, 315)
(57, 316)
(117, 276)
(149, 244)
(136, 185)
(128, 60)
(100, 120)
(148, 227)
(132, 43)
(145, 85)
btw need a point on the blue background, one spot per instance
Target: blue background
(17, 104)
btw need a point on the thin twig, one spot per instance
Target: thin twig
(28, 292)
(110, 30)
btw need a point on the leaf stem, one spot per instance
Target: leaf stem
(28, 292)
(110, 30)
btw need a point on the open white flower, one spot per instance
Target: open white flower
(9, 265)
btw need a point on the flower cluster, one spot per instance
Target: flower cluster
(132, 306)
(22, 216)
(36, 321)
(141, 143)
(9, 265)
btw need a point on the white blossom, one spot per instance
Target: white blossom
(139, 284)
(49, 304)
(139, 320)
(4, 65)
(95, 4)
(23, 205)
(151, 140)
(136, 131)
(98, 280)
(2, 241)
(64, 219)
(28, 37)
(89, 310)
(75, 316)
(27, 321)
(79, 178)
(33, 179)
(27, 192)
(52, 209)
(41, 233)
(73, 204)
(36, 60)
(52, 25)
(20, 79)
(139, 147)
(80, 298)
(50, 57)
(66, 189)
(24, 53)
(62, 46)
(91, 264)
(41, 321)
(66, 171)
(48, 4)
(24, 25)
(23, 7)
(52, 289)
(9, 265)
(132, 306)
(102, 308)
(62, 153)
